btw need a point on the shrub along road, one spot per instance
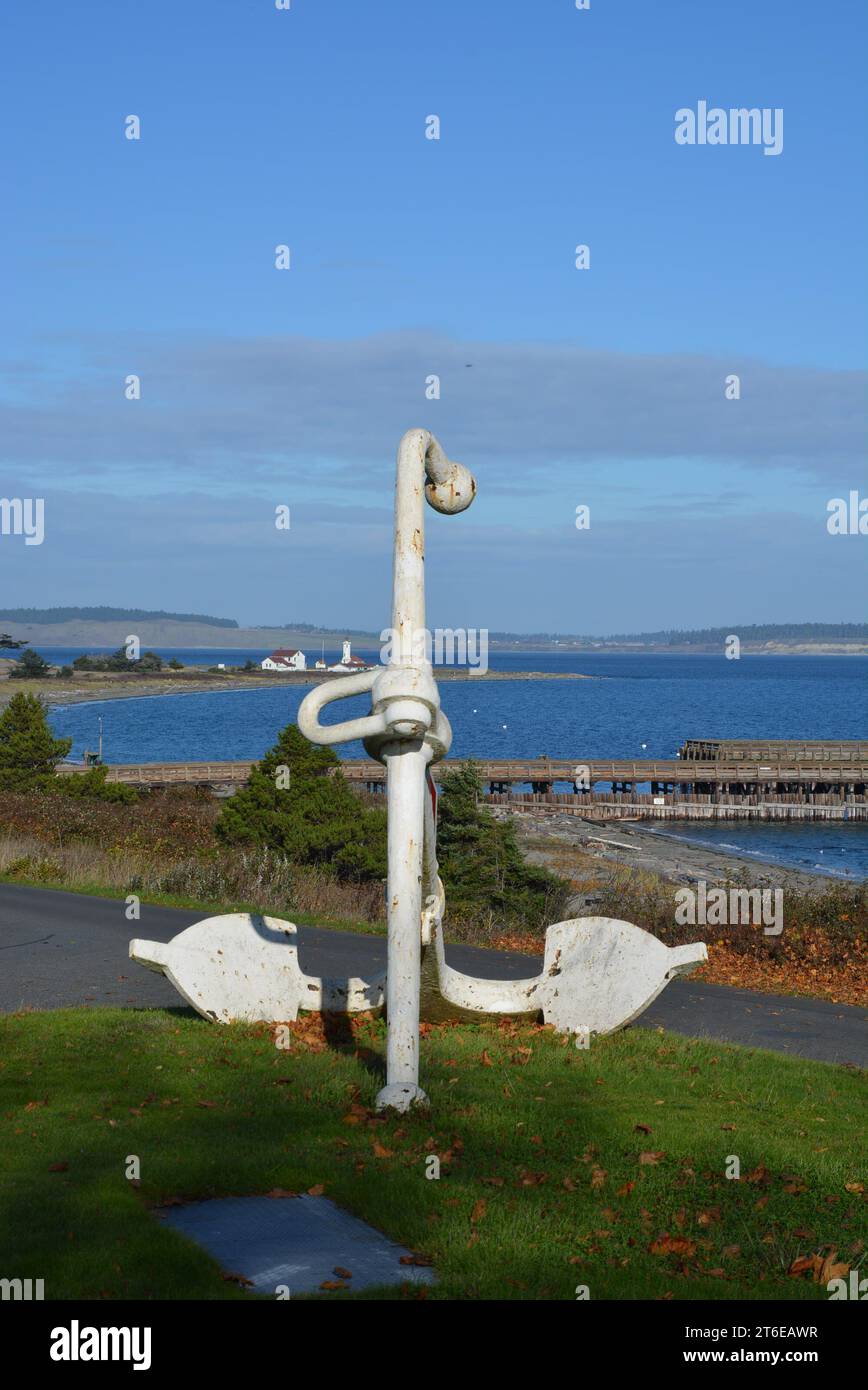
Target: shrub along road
(59, 950)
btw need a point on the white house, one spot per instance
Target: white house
(285, 659)
(348, 662)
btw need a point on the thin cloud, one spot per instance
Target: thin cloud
(215, 412)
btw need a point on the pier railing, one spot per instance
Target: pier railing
(543, 774)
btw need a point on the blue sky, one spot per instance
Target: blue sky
(413, 257)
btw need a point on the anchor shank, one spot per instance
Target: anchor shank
(408, 568)
(405, 772)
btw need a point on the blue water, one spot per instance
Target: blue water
(833, 848)
(642, 706)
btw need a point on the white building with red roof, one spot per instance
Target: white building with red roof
(285, 659)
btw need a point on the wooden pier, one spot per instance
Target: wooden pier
(662, 776)
(734, 779)
(762, 750)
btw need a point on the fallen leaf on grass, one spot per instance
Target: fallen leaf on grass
(673, 1245)
(821, 1270)
(759, 1175)
(422, 1260)
(317, 1190)
(281, 1192)
(58, 1167)
(642, 1129)
(707, 1218)
(380, 1150)
(598, 1177)
(651, 1157)
(857, 1188)
(237, 1279)
(478, 1211)
(833, 1269)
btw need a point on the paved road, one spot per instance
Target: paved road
(61, 949)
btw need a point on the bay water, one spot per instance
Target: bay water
(636, 706)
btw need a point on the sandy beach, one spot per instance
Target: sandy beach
(580, 848)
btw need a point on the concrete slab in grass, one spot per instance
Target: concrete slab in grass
(293, 1241)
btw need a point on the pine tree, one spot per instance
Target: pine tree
(30, 666)
(29, 752)
(481, 865)
(315, 819)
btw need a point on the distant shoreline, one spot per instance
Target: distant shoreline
(125, 687)
(172, 635)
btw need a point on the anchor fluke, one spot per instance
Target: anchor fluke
(241, 967)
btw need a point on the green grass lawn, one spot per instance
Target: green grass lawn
(559, 1167)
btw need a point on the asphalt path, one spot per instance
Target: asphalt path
(59, 949)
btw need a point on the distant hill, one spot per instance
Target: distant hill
(168, 634)
(312, 629)
(102, 614)
(49, 628)
(750, 634)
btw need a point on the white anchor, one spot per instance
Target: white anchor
(598, 973)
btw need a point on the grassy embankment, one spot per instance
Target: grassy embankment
(163, 847)
(821, 952)
(559, 1167)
